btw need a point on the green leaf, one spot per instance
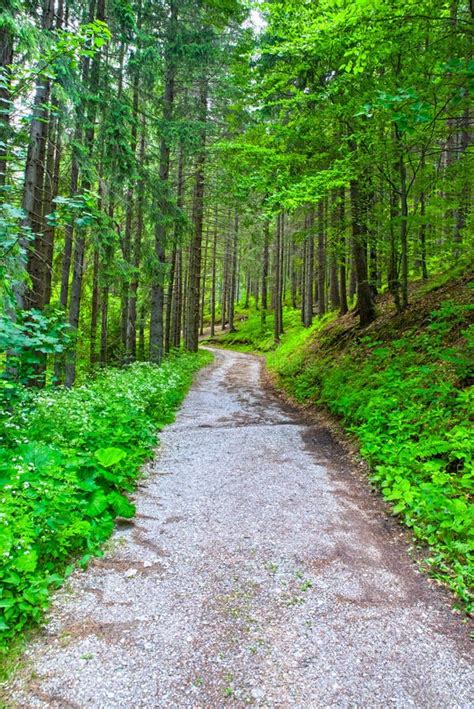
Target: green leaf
(122, 507)
(110, 456)
(27, 561)
(97, 504)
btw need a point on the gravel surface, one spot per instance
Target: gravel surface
(259, 571)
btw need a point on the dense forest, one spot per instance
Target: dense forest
(163, 161)
(171, 168)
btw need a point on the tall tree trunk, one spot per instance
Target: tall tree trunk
(308, 272)
(225, 282)
(423, 229)
(333, 256)
(177, 298)
(141, 334)
(169, 298)
(94, 308)
(393, 268)
(277, 281)
(80, 244)
(137, 250)
(214, 269)
(192, 320)
(203, 284)
(233, 273)
(403, 231)
(127, 241)
(321, 260)
(69, 231)
(50, 193)
(265, 270)
(6, 59)
(157, 291)
(343, 253)
(34, 180)
(359, 241)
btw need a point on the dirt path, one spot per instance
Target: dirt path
(258, 571)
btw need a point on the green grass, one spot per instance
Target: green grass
(250, 336)
(407, 397)
(68, 460)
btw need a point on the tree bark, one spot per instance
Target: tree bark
(343, 308)
(265, 269)
(233, 273)
(33, 296)
(203, 284)
(80, 244)
(214, 269)
(359, 241)
(321, 260)
(192, 306)
(6, 59)
(157, 292)
(137, 250)
(308, 272)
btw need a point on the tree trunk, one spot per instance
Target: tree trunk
(225, 282)
(6, 59)
(277, 295)
(359, 241)
(94, 309)
(403, 231)
(308, 272)
(137, 249)
(203, 286)
(178, 274)
(51, 191)
(34, 181)
(157, 292)
(343, 254)
(233, 273)
(192, 319)
(321, 260)
(178, 300)
(127, 241)
(265, 269)
(213, 284)
(79, 247)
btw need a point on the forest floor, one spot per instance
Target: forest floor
(259, 570)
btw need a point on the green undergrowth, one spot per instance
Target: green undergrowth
(251, 336)
(404, 389)
(68, 459)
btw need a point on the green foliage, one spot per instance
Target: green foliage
(27, 340)
(251, 335)
(68, 459)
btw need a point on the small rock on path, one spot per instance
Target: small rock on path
(258, 571)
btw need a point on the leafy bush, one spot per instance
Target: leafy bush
(27, 340)
(409, 403)
(68, 459)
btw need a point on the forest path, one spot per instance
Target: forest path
(259, 571)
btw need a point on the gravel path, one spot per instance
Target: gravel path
(259, 571)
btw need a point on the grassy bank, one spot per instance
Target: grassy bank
(68, 459)
(403, 387)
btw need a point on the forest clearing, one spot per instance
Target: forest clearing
(236, 353)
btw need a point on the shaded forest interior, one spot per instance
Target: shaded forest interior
(164, 163)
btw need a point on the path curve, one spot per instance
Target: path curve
(258, 571)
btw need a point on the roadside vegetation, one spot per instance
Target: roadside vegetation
(69, 460)
(403, 388)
